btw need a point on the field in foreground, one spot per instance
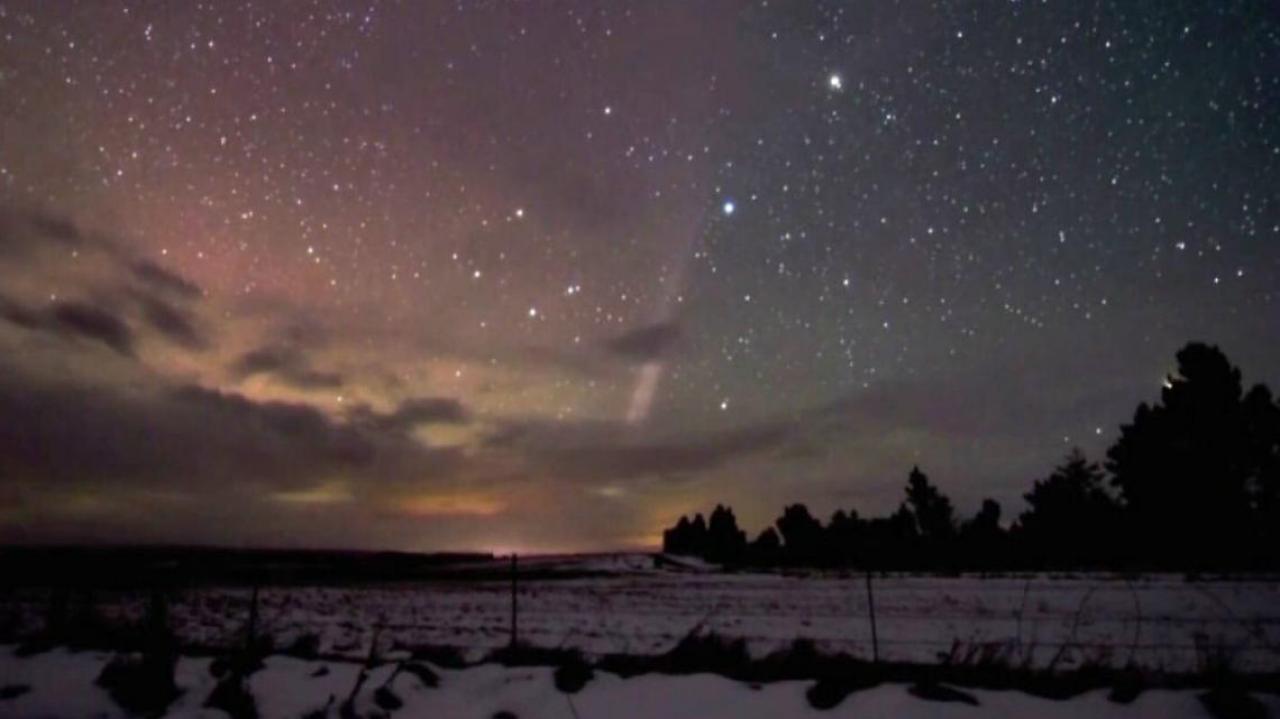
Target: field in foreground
(629, 604)
(59, 683)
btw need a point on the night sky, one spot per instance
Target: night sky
(545, 276)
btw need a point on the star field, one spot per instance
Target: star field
(655, 254)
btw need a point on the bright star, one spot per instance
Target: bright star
(835, 82)
(728, 207)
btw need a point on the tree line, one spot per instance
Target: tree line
(1192, 483)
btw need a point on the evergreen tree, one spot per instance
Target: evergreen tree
(982, 538)
(725, 542)
(767, 548)
(1185, 466)
(934, 519)
(1262, 416)
(891, 542)
(676, 539)
(802, 535)
(1072, 518)
(844, 537)
(934, 515)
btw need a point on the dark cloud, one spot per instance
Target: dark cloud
(287, 364)
(190, 439)
(93, 323)
(301, 427)
(18, 314)
(163, 280)
(412, 413)
(21, 230)
(56, 228)
(646, 343)
(98, 323)
(175, 324)
(134, 289)
(25, 229)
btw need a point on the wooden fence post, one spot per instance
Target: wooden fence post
(871, 606)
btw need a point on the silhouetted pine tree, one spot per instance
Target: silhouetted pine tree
(934, 518)
(802, 535)
(698, 535)
(983, 542)
(676, 539)
(1185, 467)
(1072, 518)
(725, 542)
(891, 542)
(1262, 415)
(844, 538)
(766, 549)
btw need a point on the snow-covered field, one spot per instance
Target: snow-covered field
(1159, 622)
(59, 683)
